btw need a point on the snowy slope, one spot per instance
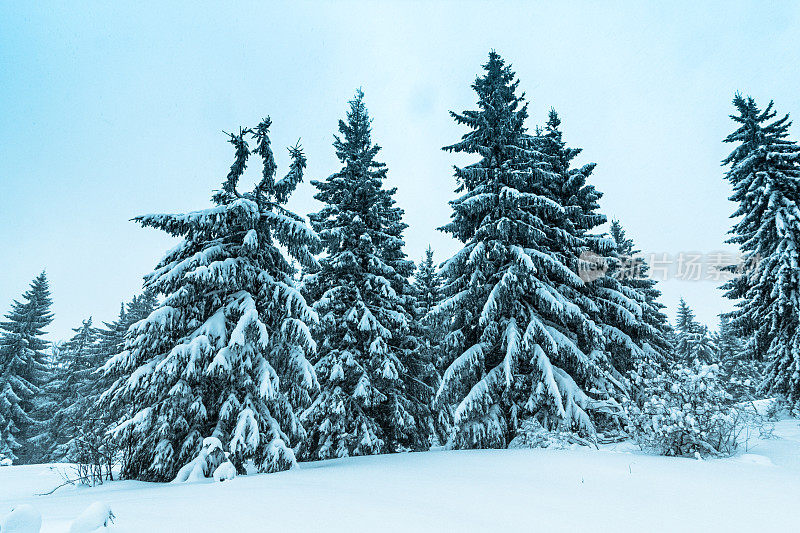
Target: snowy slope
(519, 490)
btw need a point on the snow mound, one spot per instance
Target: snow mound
(225, 471)
(22, 519)
(95, 516)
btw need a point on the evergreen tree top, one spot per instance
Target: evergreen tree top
(428, 261)
(502, 112)
(238, 218)
(497, 127)
(267, 192)
(568, 185)
(359, 215)
(685, 322)
(354, 144)
(765, 176)
(82, 333)
(552, 134)
(30, 316)
(624, 244)
(512, 170)
(427, 282)
(756, 130)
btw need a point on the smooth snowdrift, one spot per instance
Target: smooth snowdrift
(615, 489)
(96, 516)
(22, 519)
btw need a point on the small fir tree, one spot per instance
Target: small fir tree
(70, 390)
(427, 284)
(740, 374)
(692, 339)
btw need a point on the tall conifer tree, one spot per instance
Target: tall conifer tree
(765, 176)
(224, 354)
(623, 308)
(520, 342)
(375, 389)
(24, 371)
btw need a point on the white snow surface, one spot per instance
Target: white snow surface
(614, 489)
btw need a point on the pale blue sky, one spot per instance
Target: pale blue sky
(107, 112)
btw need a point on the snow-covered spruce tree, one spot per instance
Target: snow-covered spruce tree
(519, 341)
(224, 354)
(111, 335)
(375, 383)
(79, 387)
(632, 272)
(740, 374)
(428, 291)
(111, 341)
(70, 390)
(692, 339)
(427, 283)
(765, 177)
(729, 346)
(432, 326)
(685, 324)
(617, 305)
(24, 372)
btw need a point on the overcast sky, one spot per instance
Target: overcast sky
(107, 112)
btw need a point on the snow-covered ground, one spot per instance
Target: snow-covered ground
(614, 489)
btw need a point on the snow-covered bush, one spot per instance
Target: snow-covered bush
(211, 457)
(532, 434)
(5, 461)
(684, 412)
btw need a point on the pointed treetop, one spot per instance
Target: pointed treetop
(263, 149)
(242, 151)
(685, 322)
(624, 244)
(355, 142)
(37, 299)
(756, 129)
(553, 123)
(501, 115)
(498, 86)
